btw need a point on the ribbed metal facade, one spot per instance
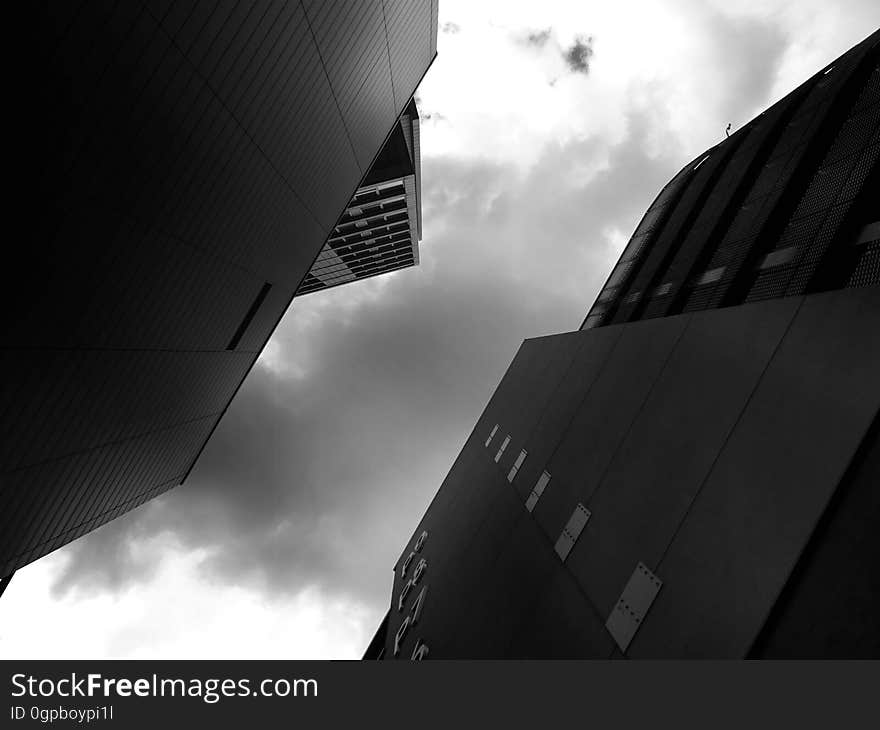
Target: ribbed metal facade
(777, 209)
(694, 472)
(187, 163)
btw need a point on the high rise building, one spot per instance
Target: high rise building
(186, 164)
(694, 472)
(381, 227)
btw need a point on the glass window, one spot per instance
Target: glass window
(501, 450)
(516, 465)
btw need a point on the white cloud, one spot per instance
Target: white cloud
(673, 57)
(178, 614)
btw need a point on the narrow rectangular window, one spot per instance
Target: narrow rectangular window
(251, 313)
(709, 276)
(572, 531)
(501, 450)
(632, 607)
(516, 465)
(869, 233)
(491, 435)
(540, 486)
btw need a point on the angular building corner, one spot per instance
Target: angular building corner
(186, 164)
(695, 473)
(381, 227)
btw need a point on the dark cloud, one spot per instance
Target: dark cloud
(435, 116)
(317, 475)
(450, 27)
(577, 56)
(536, 38)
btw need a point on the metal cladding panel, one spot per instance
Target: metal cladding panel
(469, 464)
(464, 539)
(59, 500)
(843, 603)
(537, 490)
(542, 364)
(508, 591)
(677, 226)
(411, 33)
(460, 511)
(771, 483)
(166, 295)
(289, 92)
(159, 146)
(435, 9)
(542, 440)
(867, 270)
(672, 444)
(646, 233)
(526, 363)
(189, 160)
(564, 625)
(604, 417)
(351, 36)
(633, 605)
(367, 114)
(112, 395)
(572, 531)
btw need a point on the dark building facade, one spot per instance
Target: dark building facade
(381, 227)
(186, 164)
(695, 473)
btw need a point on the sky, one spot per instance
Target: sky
(547, 130)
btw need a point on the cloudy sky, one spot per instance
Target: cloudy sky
(547, 129)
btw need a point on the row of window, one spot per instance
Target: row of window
(543, 480)
(640, 591)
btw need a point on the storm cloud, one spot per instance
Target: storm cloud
(341, 435)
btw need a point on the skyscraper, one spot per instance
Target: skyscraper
(694, 472)
(187, 162)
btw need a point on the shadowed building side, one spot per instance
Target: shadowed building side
(186, 163)
(694, 472)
